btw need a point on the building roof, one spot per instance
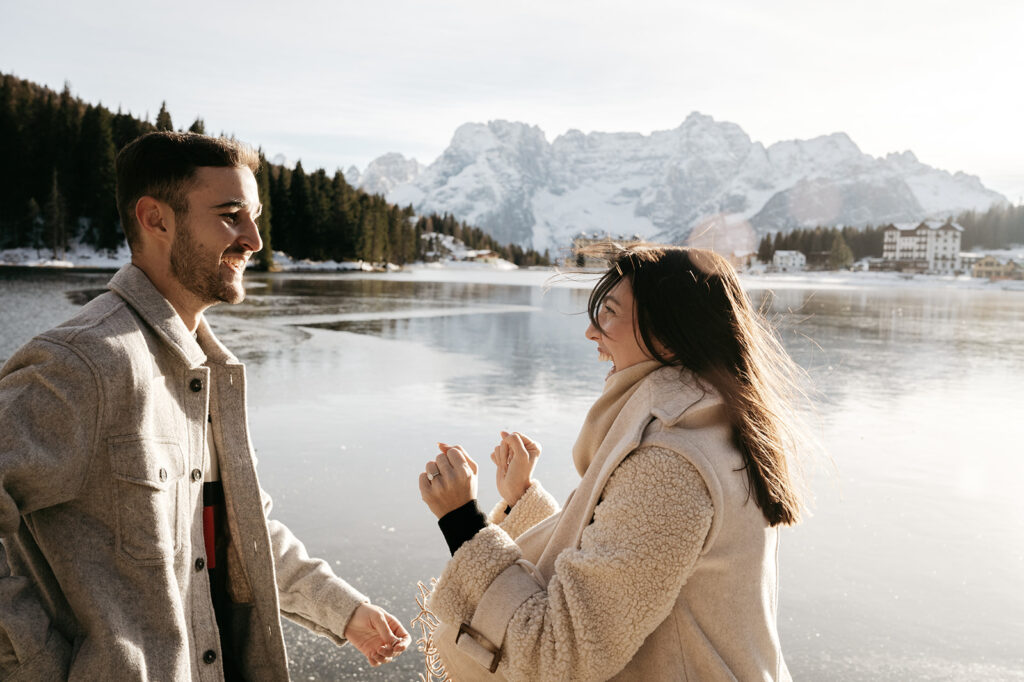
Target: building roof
(989, 260)
(929, 224)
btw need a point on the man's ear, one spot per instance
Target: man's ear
(155, 219)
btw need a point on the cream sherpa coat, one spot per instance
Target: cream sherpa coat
(659, 567)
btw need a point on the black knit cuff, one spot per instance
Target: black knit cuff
(460, 525)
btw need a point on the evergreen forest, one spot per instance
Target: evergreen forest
(57, 182)
(999, 227)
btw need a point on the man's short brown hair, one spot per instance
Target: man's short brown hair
(163, 164)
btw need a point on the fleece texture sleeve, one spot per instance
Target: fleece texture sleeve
(606, 596)
(534, 506)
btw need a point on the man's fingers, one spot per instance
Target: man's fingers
(400, 632)
(379, 622)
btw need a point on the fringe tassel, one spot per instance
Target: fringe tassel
(427, 622)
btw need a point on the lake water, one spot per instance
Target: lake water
(910, 568)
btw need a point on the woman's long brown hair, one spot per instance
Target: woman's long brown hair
(690, 306)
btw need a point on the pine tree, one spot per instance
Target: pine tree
(66, 135)
(32, 228)
(280, 198)
(265, 258)
(198, 126)
(342, 217)
(840, 255)
(56, 220)
(97, 179)
(765, 250)
(126, 128)
(300, 195)
(163, 118)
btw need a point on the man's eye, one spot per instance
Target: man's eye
(230, 217)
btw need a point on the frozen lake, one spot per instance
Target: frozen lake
(910, 567)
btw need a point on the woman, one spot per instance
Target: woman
(662, 565)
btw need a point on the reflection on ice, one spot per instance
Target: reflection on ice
(915, 547)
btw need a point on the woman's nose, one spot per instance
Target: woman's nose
(592, 333)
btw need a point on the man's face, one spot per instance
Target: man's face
(214, 241)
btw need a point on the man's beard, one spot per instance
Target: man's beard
(199, 272)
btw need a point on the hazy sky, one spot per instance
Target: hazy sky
(337, 83)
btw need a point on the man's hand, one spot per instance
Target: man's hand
(515, 457)
(376, 633)
(449, 480)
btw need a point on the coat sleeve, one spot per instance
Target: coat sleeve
(309, 592)
(606, 596)
(534, 506)
(50, 402)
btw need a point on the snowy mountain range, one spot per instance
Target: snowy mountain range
(705, 182)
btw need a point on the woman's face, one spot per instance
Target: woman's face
(620, 342)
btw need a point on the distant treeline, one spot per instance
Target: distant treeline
(996, 228)
(839, 246)
(322, 217)
(999, 227)
(57, 181)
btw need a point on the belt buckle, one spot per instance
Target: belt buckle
(478, 637)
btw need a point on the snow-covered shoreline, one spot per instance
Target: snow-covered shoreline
(500, 271)
(80, 256)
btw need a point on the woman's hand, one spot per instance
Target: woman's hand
(515, 457)
(449, 480)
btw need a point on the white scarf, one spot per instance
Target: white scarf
(618, 388)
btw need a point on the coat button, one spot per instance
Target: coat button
(196, 474)
(196, 385)
(210, 656)
(163, 474)
(200, 563)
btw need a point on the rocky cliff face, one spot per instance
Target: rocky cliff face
(506, 178)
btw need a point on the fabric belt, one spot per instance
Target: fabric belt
(482, 638)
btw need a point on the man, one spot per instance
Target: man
(135, 538)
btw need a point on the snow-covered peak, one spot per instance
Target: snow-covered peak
(352, 176)
(476, 138)
(904, 159)
(827, 155)
(505, 177)
(388, 171)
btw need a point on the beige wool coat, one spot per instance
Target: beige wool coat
(102, 437)
(660, 566)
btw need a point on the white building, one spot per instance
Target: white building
(930, 246)
(789, 261)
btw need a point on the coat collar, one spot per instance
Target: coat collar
(671, 395)
(132, 284)
(667, 397)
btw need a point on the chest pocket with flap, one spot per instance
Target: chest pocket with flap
(148, 475)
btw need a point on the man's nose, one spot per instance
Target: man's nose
(249, 236)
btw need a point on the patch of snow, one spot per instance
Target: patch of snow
(78, 255)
